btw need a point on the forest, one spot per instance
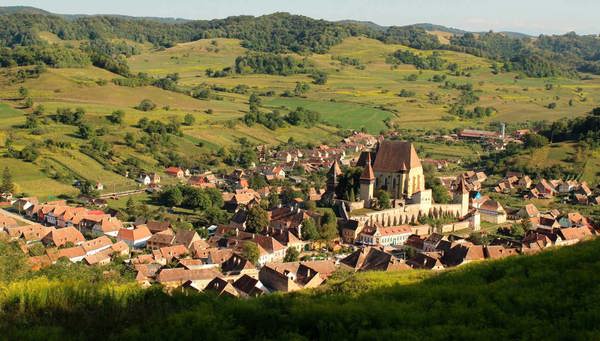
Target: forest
(544, 56)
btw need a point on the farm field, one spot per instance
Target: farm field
(353, 98)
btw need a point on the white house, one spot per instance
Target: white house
(379, 235)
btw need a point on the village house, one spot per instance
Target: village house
(237, 266)
(186, 238)
(492, 211)
(463, 253)
(379, 235)
(173, 252)
(373, 259)
(136, 237)
(175, 172)
(201, 181)
(29, 233)
(294, 276)
(74, 254)
(97, 245)
(6, 222)
(100, 258)
(175, 277)
(221, 287)
(63, 236)
(161, 239)
(249, 287)
(426, 261)
(499, 251)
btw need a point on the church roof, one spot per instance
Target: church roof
(335, 168)
(462, 186)
(368, 173)
(396, 156)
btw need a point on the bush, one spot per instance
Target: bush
(146, 105)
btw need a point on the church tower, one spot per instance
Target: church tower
(333, 177)
(461, 196)
(367, 183)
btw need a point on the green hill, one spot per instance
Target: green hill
(552, 295)
(97, 63)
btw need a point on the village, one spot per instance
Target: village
(379, 217)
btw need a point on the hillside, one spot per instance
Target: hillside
(353, 98)
(516, 298)
(373, 81)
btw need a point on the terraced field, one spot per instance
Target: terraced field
(365, 97)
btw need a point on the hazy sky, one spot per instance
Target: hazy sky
(527, 16)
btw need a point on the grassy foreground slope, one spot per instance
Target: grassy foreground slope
(553, 295)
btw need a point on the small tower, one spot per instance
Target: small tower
(367, 183)
(461, 196)
(333, 177)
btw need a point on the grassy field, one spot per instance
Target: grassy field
(566, 155)
(352, 98)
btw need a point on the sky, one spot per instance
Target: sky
(526, 16)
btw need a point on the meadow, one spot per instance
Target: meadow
(363, 97)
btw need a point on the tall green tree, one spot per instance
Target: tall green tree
(7, 185)
(250, 251)
(291, 255)
(309, 229)
(258, 219)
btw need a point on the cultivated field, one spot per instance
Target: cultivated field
(365, 97)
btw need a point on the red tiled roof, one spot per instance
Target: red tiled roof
(396, 156)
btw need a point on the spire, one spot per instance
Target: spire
(462, 186)
(335, 169)
(367, 173)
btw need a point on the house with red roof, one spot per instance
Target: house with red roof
(136, 237)
(379, 235)
(175, 172)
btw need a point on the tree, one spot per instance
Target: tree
(196, 199)
(85, 132)
(250, 251)
(274, 200)
(172, 196)
(146, 105)
(319, 77)
(29, 153)
(189, 119)
(87, 188)
(23, 92)
(517, 230)
(28, 102)
(309, 229)
(291, 255)
(535, 140)
(258, 219)
(130, 207)
(116, 117)
(130, 139)
(328, 229)
(7, 185)
(254, 102)
(383, 199)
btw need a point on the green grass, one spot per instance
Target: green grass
(31, 181)
(345, 115)
(484, 300)
(562, 154)
(351, 98)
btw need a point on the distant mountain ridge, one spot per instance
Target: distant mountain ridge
(7, 10)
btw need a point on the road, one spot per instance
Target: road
(16, 217)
